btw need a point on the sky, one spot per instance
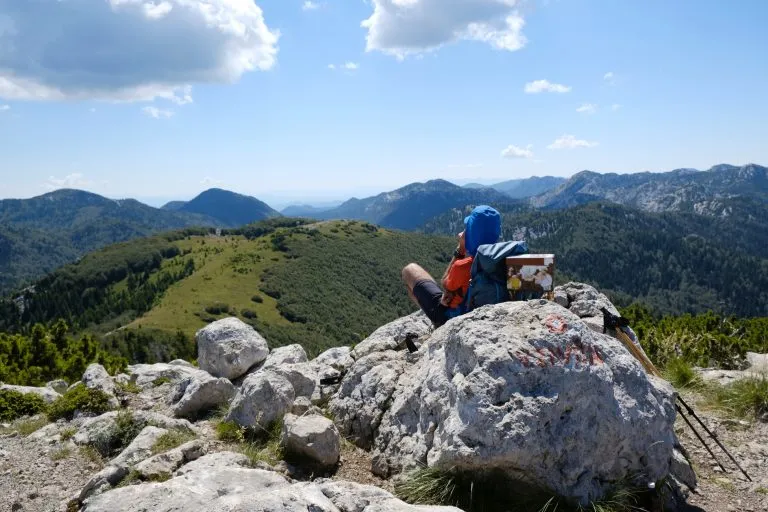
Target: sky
(310, 101)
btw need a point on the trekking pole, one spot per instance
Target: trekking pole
(701, 440)
(711, 434)
(611, 321)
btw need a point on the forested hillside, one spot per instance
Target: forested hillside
(676, 263)
(319, 284)
(40, 234)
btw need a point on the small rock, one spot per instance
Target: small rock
(312, 437)
(299, 407)
(181, 362)
(200, 393)
(263, 399)
(140, 448)
(168, 462)
(229, 347)
(561, 297)
(289, 354)
(60, 386)
(337, 358)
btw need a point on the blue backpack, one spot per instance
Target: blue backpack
(489, 274)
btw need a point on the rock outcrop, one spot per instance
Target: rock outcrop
(221, 487)
(527, 388)
(229, 347)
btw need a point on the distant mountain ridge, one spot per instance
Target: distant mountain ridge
(411, 206)
(228, 208)
(684, 190)
(44, 232)
(522, 188)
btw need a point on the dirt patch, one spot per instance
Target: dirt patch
(355, 466)
(748, 443)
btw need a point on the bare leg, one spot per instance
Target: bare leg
(412, 274)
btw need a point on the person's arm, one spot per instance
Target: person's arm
(448, 294)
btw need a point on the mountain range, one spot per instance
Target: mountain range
(411, 206)
(42, 233)
(522, 188)
(684, 190)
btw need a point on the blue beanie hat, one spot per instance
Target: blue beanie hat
(482, 226)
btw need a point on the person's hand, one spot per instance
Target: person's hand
(447, 297)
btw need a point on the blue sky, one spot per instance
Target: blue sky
(161, 99)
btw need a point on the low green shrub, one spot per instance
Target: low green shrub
(258, 299)
(14, 405)
(125, 430)
(79, 398)
(217, 308)
(128, 388)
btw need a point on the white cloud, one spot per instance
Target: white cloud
(610, 78)
(74, 180)
(117, 50)
(347, 66)
(571, 142)
(157, 113)
(407, 27)
(4, 108)
(587, 108)
(156, 11)
(208, 181)
(615, 107)
(309, 5)
(512, 151)
(538, 86)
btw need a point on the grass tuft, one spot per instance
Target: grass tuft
(746, 398)
(492, 492)
(171, 440)
(90, 453)
(128, 388)
(682, 375)
(68, 433)
(161, 381)
(61, 454)
(230, 432)
(30, 425)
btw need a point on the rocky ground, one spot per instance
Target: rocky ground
(524, 382)
(748, 443)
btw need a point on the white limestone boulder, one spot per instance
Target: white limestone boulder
(525, 388)
(229, 347)
(312, 438)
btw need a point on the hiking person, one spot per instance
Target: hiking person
(482, 226)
